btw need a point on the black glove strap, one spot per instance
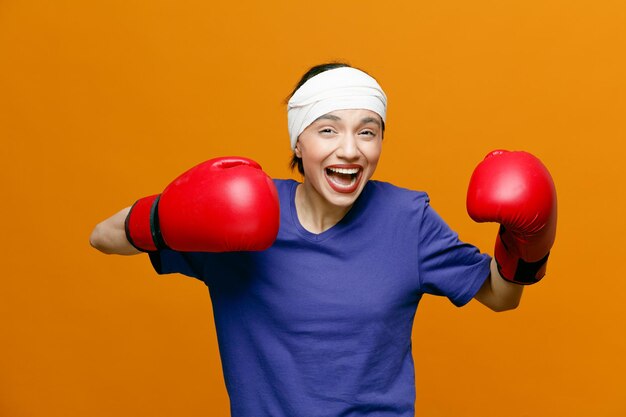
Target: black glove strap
(155, 226)
(526, 272)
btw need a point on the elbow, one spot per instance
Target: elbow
(508, 306)
(109, 236)
(94, 239)
(97, 240)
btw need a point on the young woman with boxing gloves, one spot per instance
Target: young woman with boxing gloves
(315, 284)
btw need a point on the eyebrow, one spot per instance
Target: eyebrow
(363, 120)
(371, 120)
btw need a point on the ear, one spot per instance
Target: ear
(297, 151)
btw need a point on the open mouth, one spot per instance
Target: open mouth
(344, 179)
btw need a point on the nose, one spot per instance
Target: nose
(348, 147)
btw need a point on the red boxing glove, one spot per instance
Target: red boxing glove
(221, 205)
(516, 190)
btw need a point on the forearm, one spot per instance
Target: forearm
(499, 294)
(109, 236)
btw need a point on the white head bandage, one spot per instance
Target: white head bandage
(337, 89)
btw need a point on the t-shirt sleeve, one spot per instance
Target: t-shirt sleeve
(448, 266)
(167, 261)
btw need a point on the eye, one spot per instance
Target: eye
(326, 130)
(367, 132)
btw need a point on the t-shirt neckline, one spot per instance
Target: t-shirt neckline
(332, 231)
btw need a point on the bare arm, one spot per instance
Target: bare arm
(109, 236)
(497, 293)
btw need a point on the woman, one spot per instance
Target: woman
(319, 324)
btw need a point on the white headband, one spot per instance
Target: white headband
(337, 89)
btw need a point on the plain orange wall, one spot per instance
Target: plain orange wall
(102, 102)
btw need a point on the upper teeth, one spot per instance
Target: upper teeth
(344, 170)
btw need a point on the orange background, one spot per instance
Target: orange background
(103, 102)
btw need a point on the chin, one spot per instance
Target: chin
(344, 200)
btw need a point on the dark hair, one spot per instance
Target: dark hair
(312, 72)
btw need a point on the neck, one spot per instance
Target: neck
(314, 213)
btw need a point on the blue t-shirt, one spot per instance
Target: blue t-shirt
(320, 324)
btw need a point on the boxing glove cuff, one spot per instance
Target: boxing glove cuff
(513, 267)
(142, 225)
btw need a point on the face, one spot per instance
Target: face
(339, 152)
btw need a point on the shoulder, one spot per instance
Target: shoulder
(389, 200)
(385, 191)
(280, 182)
(284, 186)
